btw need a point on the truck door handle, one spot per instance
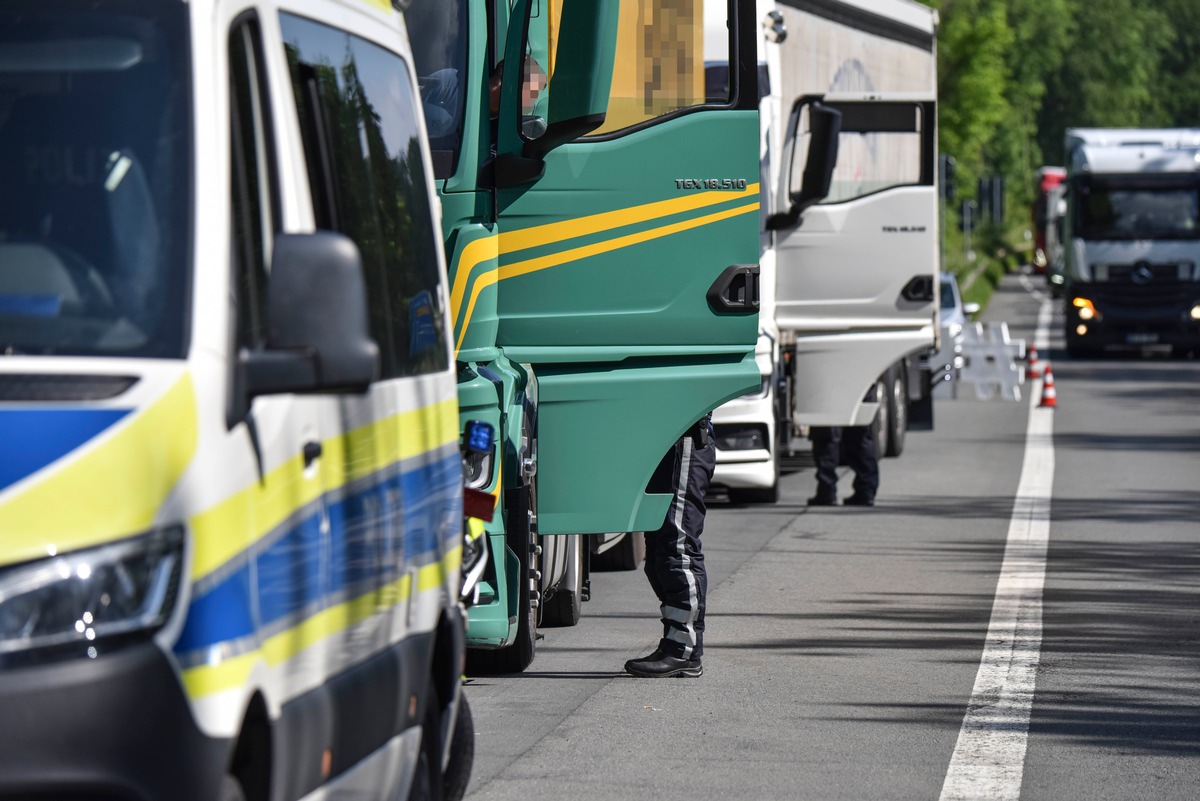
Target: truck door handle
(735, 290)
(919, 289)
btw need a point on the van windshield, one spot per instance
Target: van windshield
(95, 185)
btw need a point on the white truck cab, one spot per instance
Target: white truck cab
(231, 527)
(1131, 260)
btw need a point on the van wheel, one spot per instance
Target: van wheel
(462, 752)
(563, 607)
(427, 783)
(897, 402)
(231, 789)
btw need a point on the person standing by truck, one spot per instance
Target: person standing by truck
(674, 561)
(858, 445)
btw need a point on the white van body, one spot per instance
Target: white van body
(230, 551)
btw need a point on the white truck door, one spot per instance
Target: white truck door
(856, 273)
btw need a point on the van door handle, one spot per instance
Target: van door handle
(312, 452)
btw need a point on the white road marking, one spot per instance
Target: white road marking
(989, 758)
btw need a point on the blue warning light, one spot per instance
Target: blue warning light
(479, 436)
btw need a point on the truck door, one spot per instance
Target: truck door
(856, 272)
(628, 262)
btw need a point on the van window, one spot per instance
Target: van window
(362, 146)
(95, 177)
(252, 200)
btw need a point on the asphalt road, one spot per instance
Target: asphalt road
(862, 653)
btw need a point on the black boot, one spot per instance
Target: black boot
(660, 666)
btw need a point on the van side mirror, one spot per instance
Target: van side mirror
(825, 124)
(318, 338)
(539, 112)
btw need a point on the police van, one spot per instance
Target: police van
(231, 532)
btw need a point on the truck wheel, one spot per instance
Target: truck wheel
(462, 753)
(562, 608)
(520, 536)
(882, 421)
(628, 554)
(897, 402)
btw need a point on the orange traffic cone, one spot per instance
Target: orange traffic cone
(1049, 396)
(1033, 368)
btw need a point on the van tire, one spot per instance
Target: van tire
(427, 781)
(231, 789)
(462, 753)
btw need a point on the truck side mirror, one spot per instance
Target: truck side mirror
(825, 124)
(548, 100)
(318, 338)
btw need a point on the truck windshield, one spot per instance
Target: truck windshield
(438, 31)
(1139, 211)
(95, 191)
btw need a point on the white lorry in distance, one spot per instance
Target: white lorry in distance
(1131, 248)
(848, 281)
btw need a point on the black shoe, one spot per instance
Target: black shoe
(660, 666)
(822, 500)
(859, 500)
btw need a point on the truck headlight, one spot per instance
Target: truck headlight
(79, 603)
(1085, 309)
(475, 552)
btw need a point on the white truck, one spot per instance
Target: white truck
(1131, 264)
(848, 276)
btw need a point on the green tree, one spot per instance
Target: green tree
(1110, 73)
(1179, 83)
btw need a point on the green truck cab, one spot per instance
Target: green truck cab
(601, 223)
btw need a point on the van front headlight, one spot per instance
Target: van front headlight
(83, 603)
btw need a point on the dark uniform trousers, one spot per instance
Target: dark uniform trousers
(857, 445)
(674, 562)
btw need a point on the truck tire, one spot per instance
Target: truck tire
(882, 422)
(628, 554)
(897, 402)
(563, 606)
(462, 753)
(520, 537)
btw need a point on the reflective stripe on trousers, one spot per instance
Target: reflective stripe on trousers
(674, 561)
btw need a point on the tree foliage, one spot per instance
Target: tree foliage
(1015, 74)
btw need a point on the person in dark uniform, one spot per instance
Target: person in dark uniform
(857, 445)
(674, 561)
